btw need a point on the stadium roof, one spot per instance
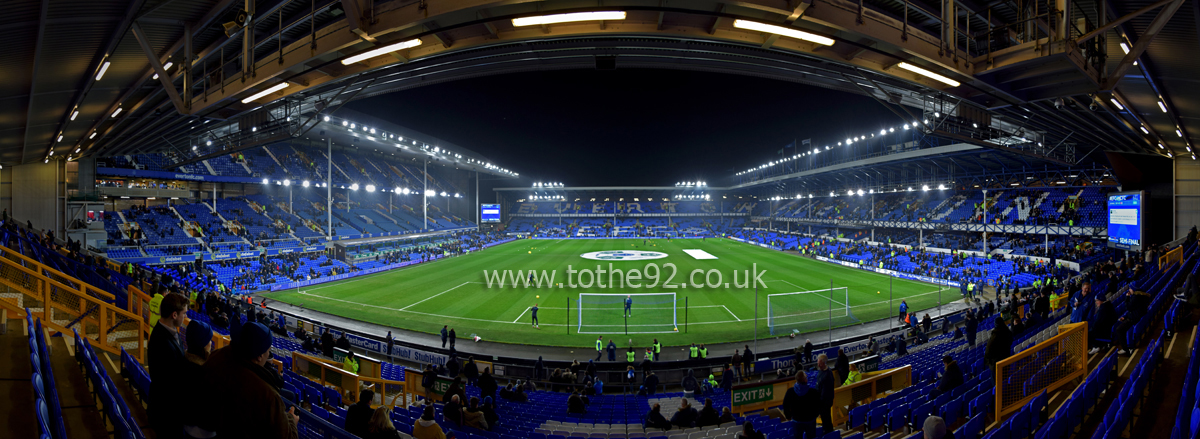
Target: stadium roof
(56, 49)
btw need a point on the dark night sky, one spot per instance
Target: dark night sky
(628, 127)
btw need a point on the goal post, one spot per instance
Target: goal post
(648, 313)
(806, 311)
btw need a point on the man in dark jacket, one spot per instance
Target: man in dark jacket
(808, 348)
(825, 386)
(686, 416)
(451, 336)
(727, 378)
(1138, 302)
(801, 404)
(248, 405)
(539, 369)
(327, 343)
(843, 366)
(167, 362)
(747, 361)
(952, 378)
(650, 383)
(444, 336)
(708, 414)
(487, 384)
(359, 414)
(1100, 328)
(655, 419)
(972, 327)
(453, 411)
(999, 346)
(689, 383)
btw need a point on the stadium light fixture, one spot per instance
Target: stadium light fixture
(784, 31)
(370, 188)
(1144, 130)
(354, 187)
(1124, 47)
(327, 118)
(1162, 106)
(928, 74)
(1118, 104)
(1178, 133)
(287, 182)
(382, 51)
(261, 94)
(103, 69)
(266, 181)
(941, 187)
(568, 18)
(305, 183)
(430, 193)
(93, 136)
(74, 115)
(115, 113)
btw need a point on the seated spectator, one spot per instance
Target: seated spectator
(452, 412)
(380, 426)
(748, 432)
(359, 413)
(576, 403)
(935, 428)
(472, 416)
(686, 416)
(650, 383)
(489, 413)
(250, 405)
(655, 419)
(708, 414)
(952, 378)
(726, 416)
(426, 427)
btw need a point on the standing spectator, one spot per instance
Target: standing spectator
(650, 383)
(471, 371)
(808, 348)
(487, 384)
(926, 323)
(800, 404)
(199, 346)
(444, 336)
(727, 378)
(1104, 320)
(358, 415)
(854, 375)
(736, 360)
(612, 350)
(903, 310)
(428, 380)
(999, 346)
(1138, 302)
(426, 427)
(455, 389)
(655, 419)
(685, 417)
(343, 342)
(167, 365)
(391, 342)
(250, 405)
(539, 369)
(689, 383)
(972, 327)
(326, 343)
(599, 346)
(747, 362)
(825, 386)
(843, 366)
(452, 336)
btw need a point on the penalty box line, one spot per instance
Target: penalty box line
(817, 292)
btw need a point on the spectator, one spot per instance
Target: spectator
(539, 369)
(444, 336)
(471, 371)
(825, 386)
(199, 345)
(426, 428)
(358, 416)
(726, 416)
(999, 346)
(487, 384)
(350, 364)
(250, 405)
(935, 428)
(489, 413)
(455, 389)
(808, 348)
(926, 323)
(473, 417)
(168, 363)
(380, 425)
(650, 383)
(343, 343)
(952, 378)
(686, 416)
(453, 367)
(326, 342)
(801, 404)
(576, 403)
(689, 383)
(452, 336)
(748, 432)
(747, 362)
(452, 411)
(655, 419)
(1103, 323)
(708, 414)
(972, 327)
(1138, 302)
(843, 366)
(727, 378)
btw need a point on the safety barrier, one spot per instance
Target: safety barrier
(1045, 366)
(1175, 255)
(65, 303)
(327, 373)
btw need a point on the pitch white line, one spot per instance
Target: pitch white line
(731, 313)
(435, 295)
(522, 314)
(614, 309)
(419, 313)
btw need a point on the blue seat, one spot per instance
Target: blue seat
(951, 410)
(858, 416)
(876, 418)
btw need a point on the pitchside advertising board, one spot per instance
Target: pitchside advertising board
(489, 213)
(401, 352)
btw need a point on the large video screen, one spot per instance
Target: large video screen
(489, 213)
(1126, 213)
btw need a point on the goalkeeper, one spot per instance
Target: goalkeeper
(628, 306)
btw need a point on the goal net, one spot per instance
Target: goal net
(807, 311)
(648, 313)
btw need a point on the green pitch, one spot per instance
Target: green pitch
(455, 292)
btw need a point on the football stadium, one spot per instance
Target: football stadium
(628, 219)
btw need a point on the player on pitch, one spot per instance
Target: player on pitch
(629, 305)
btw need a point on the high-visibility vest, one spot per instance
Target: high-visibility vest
(598, 346)
(694, 352)
(155, 302)
(703, 352)
(629, 356)
(657, 347)
(350, 365)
